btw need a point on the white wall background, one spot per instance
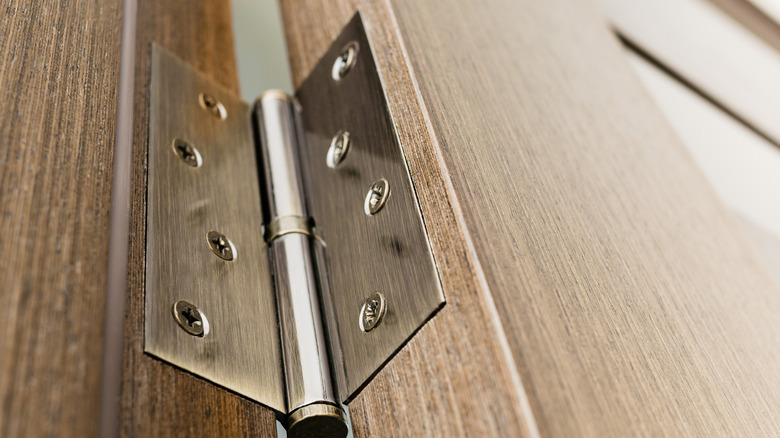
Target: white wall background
(260, 48)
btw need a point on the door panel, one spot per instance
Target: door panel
(58, 77)
(157, 398)
(630, 302)
(595, 285)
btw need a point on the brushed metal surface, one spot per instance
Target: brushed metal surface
(241, 351)
(388, 252)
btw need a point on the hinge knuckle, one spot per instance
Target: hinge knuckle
(304, 352)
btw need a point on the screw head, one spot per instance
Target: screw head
(345, 61)
(190, 318)
(187, 152)
(377, 197)
(221, 245)
(339, 147)
(212, 105)
(372, 312)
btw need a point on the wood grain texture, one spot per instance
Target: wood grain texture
(766, 243)
(740, 165)
(159, 400)
(703, 46)
(631, 304)
(58, 78)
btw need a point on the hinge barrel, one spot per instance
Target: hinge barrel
(311, 400)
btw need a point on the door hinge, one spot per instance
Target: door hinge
(287, 258)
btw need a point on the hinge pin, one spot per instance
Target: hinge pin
(312, 402)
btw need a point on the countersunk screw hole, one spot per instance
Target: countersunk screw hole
(345, 61)
(212, 105)
(377, 197)
(190, 318)
(372, 312)
(221, 245)
(339, 147)
(186, 152)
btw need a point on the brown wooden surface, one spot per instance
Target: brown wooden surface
(630, 303)
(766, 243)
(157, 398)
(58, 78)
(741, 165)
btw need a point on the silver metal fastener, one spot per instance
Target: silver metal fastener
(187, 152)
(190, 318)
(345, 61)
(212, 105)
(377, 197)
(372, 312)
(339, 147)
(221, 245)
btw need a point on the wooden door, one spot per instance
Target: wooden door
(595, 285)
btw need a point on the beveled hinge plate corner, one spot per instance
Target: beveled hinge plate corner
(386, 252)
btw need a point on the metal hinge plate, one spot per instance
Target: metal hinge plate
(186, 199)
(203, 179)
